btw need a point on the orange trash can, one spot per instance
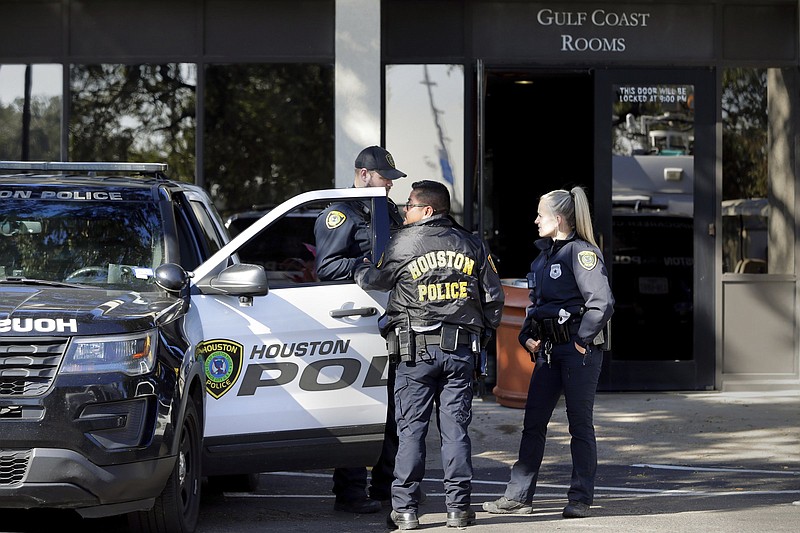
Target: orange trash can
(514, 365)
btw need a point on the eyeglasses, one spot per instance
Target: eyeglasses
(409, 206)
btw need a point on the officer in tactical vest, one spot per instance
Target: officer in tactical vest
(446, 301)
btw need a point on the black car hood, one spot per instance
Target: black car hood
(27, 310)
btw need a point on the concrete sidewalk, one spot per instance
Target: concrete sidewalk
(699, 428)
(696, 461)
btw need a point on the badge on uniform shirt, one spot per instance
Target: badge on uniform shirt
(587, 259)
(555, 271)
(335, 219)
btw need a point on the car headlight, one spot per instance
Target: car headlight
(132, 354)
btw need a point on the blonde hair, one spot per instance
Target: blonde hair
(573, 205)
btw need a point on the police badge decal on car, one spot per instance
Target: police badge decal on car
(222, 361)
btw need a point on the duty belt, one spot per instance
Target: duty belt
(554, 332)
(424, 339)
(559, 333)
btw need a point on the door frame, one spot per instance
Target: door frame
(696, 373)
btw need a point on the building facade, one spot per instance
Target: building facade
(680, 118)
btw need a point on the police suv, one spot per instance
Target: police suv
(139, 357)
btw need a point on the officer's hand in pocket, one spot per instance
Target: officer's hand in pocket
(533, 345)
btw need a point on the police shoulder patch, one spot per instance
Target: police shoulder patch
(335, 219)
(491, 263)
(587, 259)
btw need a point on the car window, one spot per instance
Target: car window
(286, 248)
(189, 253)
(114, 244)
(282, 239)
(212, 237)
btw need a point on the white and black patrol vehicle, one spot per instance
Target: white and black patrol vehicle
(140, 357)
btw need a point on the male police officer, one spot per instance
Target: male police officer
(342, 235)
(342, 230)
(446, 301)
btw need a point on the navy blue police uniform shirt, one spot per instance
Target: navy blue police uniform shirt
(569, 274)
(344, 238)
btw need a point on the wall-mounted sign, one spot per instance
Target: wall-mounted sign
(591, 31)
(598, 18)
(662, 94)
(653, 120)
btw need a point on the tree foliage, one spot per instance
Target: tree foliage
(134, 113)
(268, 128)
(744, 137)
(268, 132)
(45, 129)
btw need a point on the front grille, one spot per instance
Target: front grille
(28, 366)
(13, 464)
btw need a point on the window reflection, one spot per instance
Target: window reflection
(269, 133)
(652, 220)
(100, 243)
(425, 127)
(30, 112)
(134, 113)
(745, 207)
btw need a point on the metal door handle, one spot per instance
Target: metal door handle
(361, 311)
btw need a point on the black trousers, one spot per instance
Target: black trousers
(442, 381)
(575, 376)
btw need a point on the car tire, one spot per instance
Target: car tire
(177, 508)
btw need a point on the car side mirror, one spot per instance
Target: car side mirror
(171, 277)
(238, 280)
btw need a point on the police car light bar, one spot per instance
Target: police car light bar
(76, 166)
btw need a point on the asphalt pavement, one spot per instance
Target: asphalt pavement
(678, 462)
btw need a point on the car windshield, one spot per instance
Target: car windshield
(114, 245)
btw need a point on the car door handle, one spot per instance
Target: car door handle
(359, 311)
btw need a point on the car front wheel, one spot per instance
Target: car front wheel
(177, 508)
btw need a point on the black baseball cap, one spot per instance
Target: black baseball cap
(376, 158)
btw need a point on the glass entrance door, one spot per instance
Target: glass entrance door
(655, 163)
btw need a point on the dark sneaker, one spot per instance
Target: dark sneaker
(365, 506)
(397, 520)
(461, 518)
(576, 509)
(506, 506)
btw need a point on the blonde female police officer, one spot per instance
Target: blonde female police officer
(571, 302)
